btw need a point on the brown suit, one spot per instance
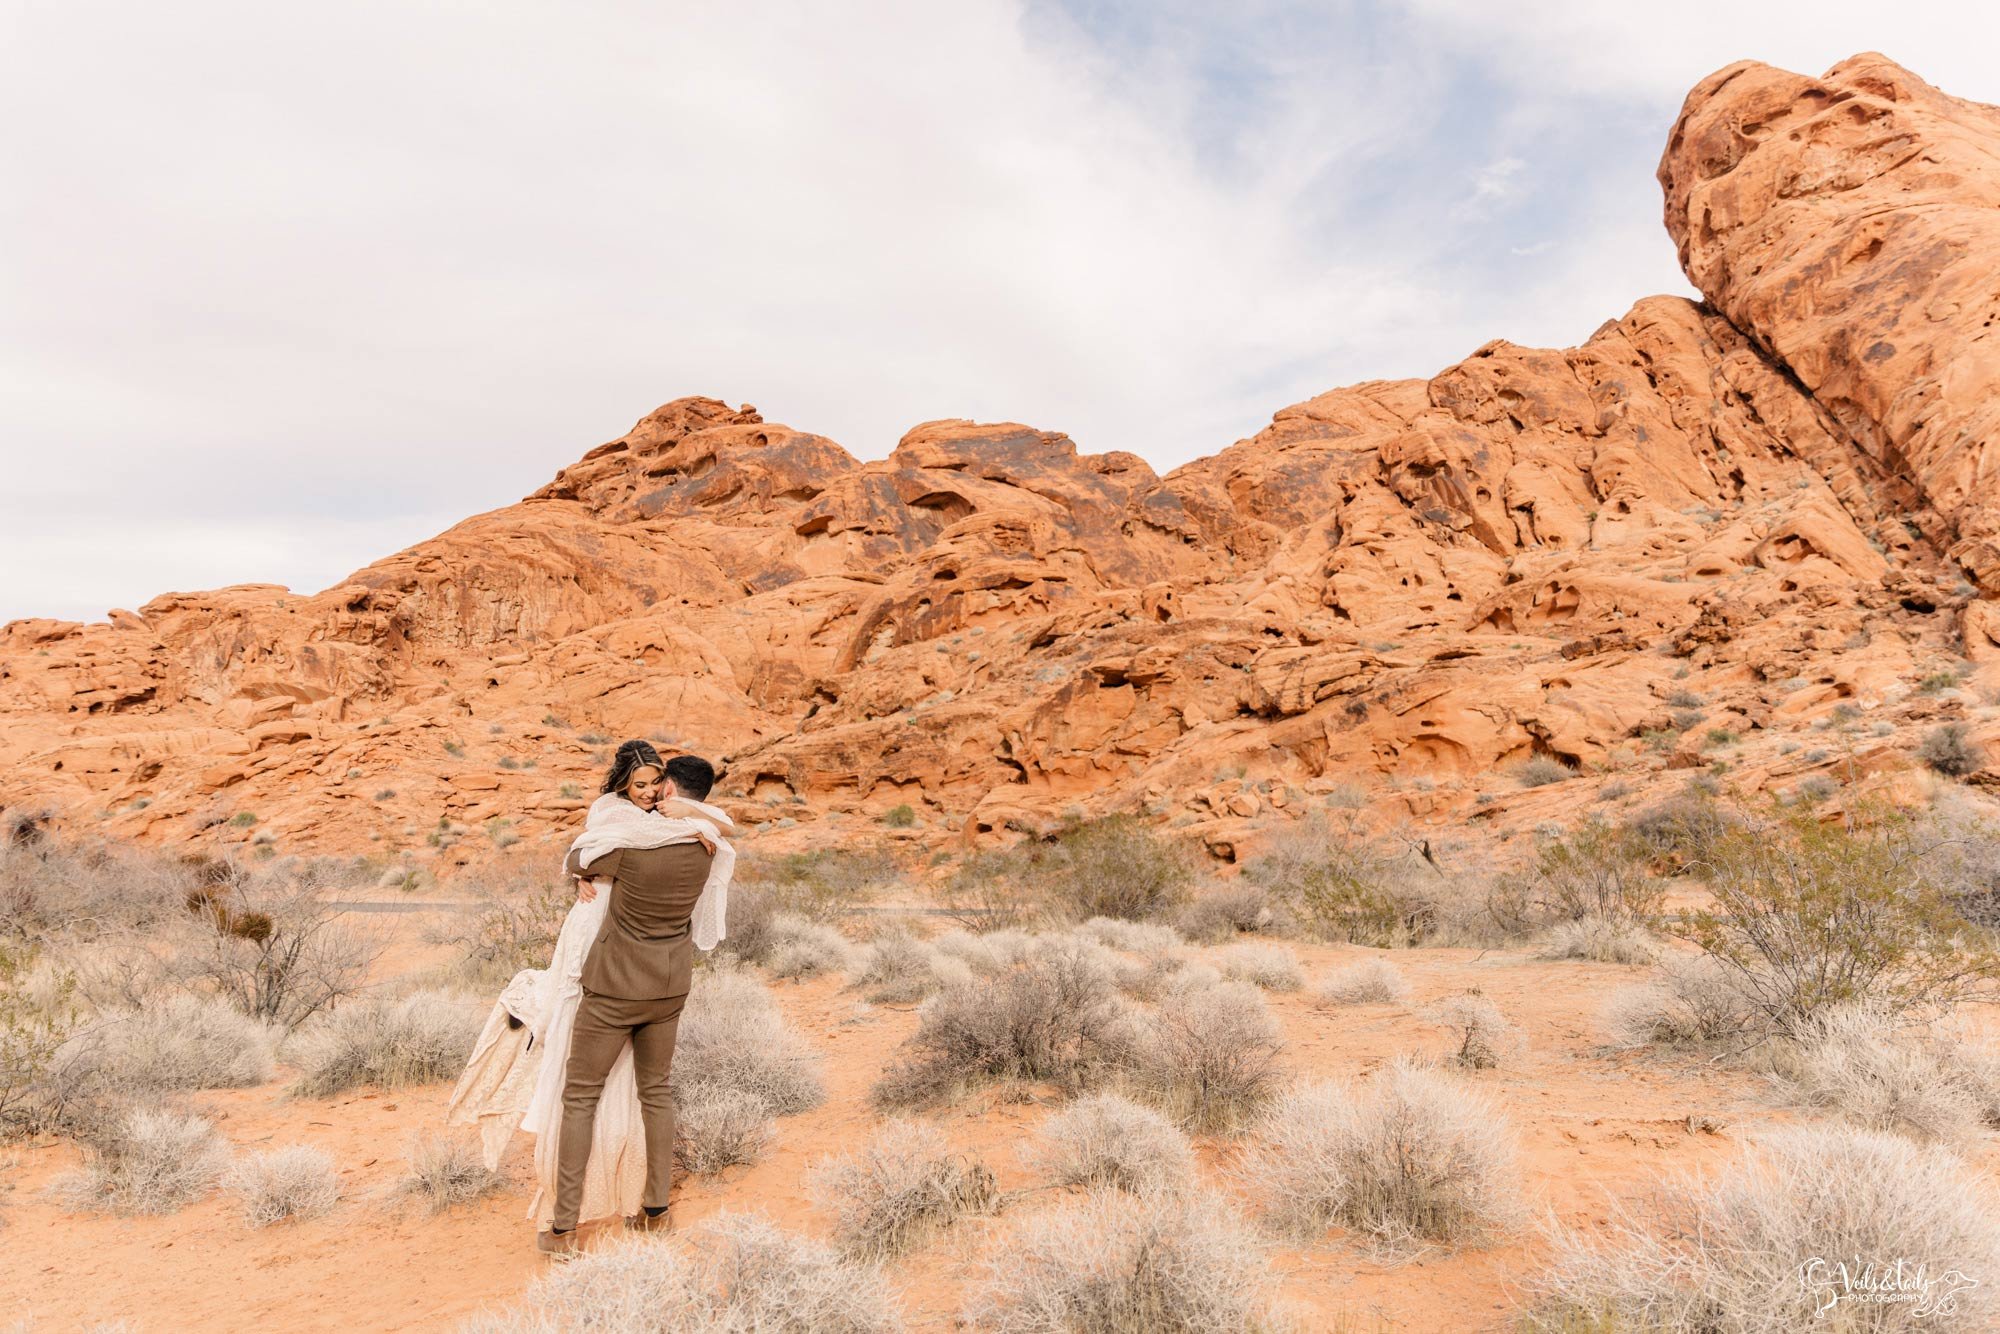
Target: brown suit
(635, 983)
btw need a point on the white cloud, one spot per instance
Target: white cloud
(286, 289)
(1492, 184)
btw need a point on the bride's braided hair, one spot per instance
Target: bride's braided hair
(632, 755)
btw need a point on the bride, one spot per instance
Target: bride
(515, 1076)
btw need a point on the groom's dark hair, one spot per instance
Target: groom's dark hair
(693, 776)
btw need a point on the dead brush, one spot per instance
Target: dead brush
(1483, 1037)
(898, 1189)
(446, 1170)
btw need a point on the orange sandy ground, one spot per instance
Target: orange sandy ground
(1593, 1125)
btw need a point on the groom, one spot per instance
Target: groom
(635, 983)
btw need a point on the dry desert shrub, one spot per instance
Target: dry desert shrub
(1949, 749)
(1053, 1018)
(275, 947)
(51, 886)
(1142, 975)
(1598, 940)
(447, 1170)
(149, 1162)
(295, 1182)
(816, 885)
(1106, 1141)
(1370, 982)
(898, 1189)
(801, 949)
(1757, 1248)
(989, 952)
(1693, 1001)
(1117, 866)
(177, 1042)
(1207, 1056)
(422, 1038)
(721, 1128)
(1541, 770)
(1417, 1156)
(520, 911)
(732, 1272)
(1132, 937)
(1885, 1074)
(898, 968)
(1482, 1037)
(1272, 967)
(1114, 1263)
(733, 1038)
(121, 972)
(1223, 912)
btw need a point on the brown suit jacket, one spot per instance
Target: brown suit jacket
(643, 951)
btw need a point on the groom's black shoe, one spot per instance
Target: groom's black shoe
(647, 1221)
(556, 1243)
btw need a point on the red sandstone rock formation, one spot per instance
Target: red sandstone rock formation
(1780, 498)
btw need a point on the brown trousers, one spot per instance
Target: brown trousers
(603, 1023)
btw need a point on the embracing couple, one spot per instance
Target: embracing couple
(578, 1054)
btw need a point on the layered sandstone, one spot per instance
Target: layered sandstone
(1775, 500)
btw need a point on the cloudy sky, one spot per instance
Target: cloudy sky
(284, 289)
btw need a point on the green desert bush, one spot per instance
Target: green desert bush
(732, 1272)
(815, 885)
(421, 1039)
(1416, 1156)
(1114, 1263)
(1115, 866)
(296, 1182)
(1806, 915)
(1596, 870)
(897, 1190)
(1343, 886)
(1106, 1141)
(1760, 1246)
